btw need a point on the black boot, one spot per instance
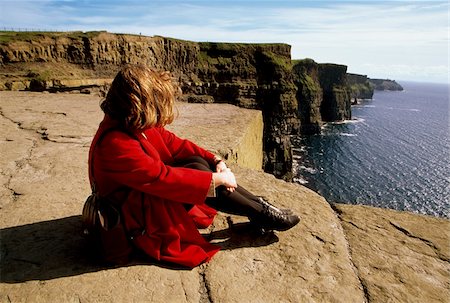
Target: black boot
(260, 212)
(263, 201)
(272, 218)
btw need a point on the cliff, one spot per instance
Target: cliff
(360, 87)
(254, 76)
(323, 94)
(294, 98)
(340, 254)
(336, 105)
(385, 84)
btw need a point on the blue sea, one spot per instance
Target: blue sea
(393, 153)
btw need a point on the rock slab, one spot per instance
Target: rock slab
(353, 254)
(400, 257)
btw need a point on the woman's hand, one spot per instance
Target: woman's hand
(221, 166)
(225, 178)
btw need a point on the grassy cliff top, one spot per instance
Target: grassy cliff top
(12, 36)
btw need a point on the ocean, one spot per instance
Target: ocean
(393, 153)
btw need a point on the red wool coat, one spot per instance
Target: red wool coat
(142, 162)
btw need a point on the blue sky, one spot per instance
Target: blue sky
(402, 40)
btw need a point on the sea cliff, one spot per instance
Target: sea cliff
(294, 96)
(254, 76)
(360, 87)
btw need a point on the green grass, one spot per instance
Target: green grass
(281, 61)
(11, 36)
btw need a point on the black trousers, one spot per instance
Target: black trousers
(240, 202)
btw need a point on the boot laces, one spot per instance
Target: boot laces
(275, 213)
(281, 211)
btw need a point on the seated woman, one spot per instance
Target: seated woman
(174, 185)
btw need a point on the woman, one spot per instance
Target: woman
(174, 186)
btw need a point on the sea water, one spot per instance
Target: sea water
(393, 153)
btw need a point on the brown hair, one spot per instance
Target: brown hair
(140, 97)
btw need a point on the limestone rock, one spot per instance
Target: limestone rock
(399, 256)
(309, 263)
(214, 127)
(45, 141)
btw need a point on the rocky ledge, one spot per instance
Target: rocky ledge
(336, 254)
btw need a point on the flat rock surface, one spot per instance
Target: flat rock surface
(401, 257)
(44, 142)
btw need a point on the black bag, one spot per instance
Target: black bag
(103, 225)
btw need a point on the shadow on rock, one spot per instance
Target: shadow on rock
(53, 249)
(241, 235)
(44, 250)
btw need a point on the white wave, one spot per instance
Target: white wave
(348, 135)
(299, 149)
(402, 109)
(367, 105)
(300, 180)
(308, 169)
(354, 120)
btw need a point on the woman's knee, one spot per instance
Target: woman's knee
(197, 159)
(197, 166)
(192, 161)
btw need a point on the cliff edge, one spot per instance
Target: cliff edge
(349, 254)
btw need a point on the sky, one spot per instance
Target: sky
(400, 40)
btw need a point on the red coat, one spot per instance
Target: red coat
(158, 191)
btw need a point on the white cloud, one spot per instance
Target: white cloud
(394, 33)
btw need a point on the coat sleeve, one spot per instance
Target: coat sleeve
(182, 148)
(122, 160)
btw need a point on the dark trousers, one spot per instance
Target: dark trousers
(239, 202)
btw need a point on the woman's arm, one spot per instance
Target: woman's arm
(183, 148)
(120, 159)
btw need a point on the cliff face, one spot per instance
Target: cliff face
(336, 105)
(360, 87)
(323, 94)
(309, 95)
(252, 76)
(101, 52)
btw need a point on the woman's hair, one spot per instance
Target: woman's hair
(140, 98)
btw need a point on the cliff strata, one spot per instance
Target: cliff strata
(323, 94)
